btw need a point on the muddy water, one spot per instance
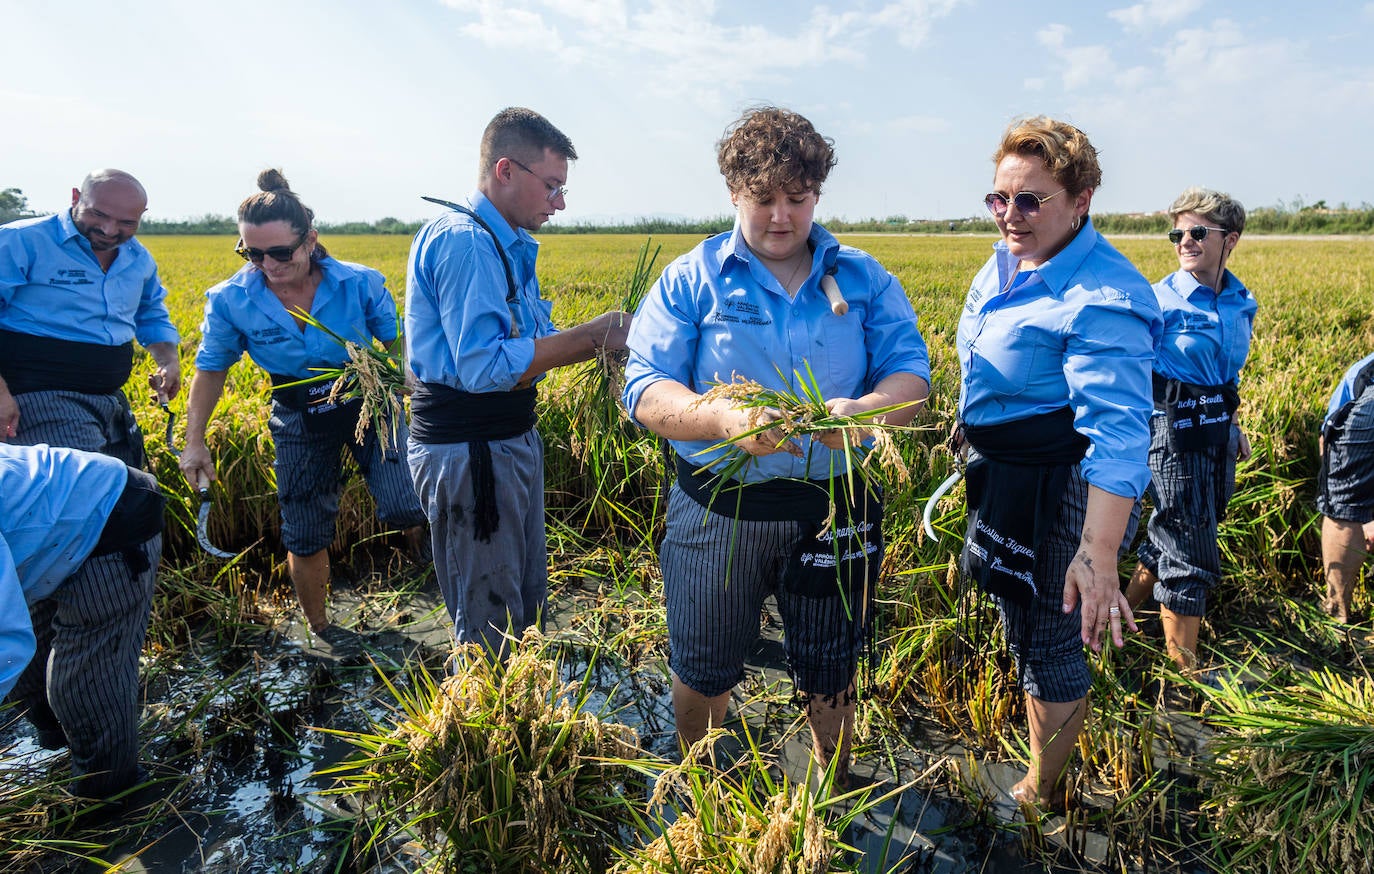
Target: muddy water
(241, 743)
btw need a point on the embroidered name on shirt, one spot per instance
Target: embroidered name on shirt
(71, 276)
(742, 312)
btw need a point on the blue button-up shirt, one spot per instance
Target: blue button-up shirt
(460, 331)
(1079, 330)
(1345, 392)
(717, 311)
(55, 507)
(243, 315)
(1206, 335)
(52, 286)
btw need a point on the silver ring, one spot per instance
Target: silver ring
(1114, 611)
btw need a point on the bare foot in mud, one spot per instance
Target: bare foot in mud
(1334, 608)
(1024, 793)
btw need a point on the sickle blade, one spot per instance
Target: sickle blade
(203, 517)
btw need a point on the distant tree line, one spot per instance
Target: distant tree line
(1291, 218)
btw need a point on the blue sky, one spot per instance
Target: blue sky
(368, 105)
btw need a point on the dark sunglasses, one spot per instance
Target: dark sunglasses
(1197, 232)
(1026, 202)
(276, 253)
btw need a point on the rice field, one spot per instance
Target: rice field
(1156, 798)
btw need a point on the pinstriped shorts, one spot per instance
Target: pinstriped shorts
(1190, 491)
(717, 571)
(1345, 488)
(1052, 659)
(309, 468)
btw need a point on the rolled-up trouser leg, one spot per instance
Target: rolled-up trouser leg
(98, 633)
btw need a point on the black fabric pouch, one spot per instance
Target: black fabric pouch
(1199, 416)
(844, 559)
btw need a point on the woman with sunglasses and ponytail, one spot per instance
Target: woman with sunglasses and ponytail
(1055, 343)
(1194, 440)
(258, 311)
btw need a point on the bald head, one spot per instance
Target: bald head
(107, 208)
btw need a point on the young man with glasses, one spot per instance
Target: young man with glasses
(478, 339)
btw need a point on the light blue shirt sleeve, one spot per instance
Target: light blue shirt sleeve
(1206, 336)
(17, 642)
(717, 312)
(1079, 331)
(460, 330)
(52, 286)
(1345, 391)
(243, 315)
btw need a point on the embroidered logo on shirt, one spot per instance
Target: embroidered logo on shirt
(741, 312)
(70, 276)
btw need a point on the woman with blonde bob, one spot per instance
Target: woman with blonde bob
(1055, 344)
(1195, 442)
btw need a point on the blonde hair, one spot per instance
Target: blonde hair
(1217, 207)
(1064, 149)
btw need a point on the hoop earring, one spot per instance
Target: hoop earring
(1074, 226)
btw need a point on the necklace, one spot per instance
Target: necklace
(802, 258)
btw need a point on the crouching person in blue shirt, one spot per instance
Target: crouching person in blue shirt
(752, 303)
(71, 627)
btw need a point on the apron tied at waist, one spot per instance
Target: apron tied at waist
(1199, 416)
(31, 363)
(135, 519)
(443, 414)
(311, 399)
(1015, 488)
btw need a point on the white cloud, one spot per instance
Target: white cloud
(1143, 16)
(1080, 66)
(681, 49)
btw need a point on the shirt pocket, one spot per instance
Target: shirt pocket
(1008, 361)
(845, 352)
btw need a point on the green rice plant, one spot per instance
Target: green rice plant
(615, 461)
(498, 767)
(377, 377)
(746, 818)
(1291, 787)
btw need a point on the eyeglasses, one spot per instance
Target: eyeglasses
(1197, 232)
(555, 191)
(1026, 202)
(276, 253)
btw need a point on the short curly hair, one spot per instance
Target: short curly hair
(1065, 149)
(767, 149)
(1217, 207)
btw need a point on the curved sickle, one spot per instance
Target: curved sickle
(934, 499)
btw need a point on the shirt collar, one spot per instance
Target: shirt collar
(735, 248)
(1186, 285)
(506, 235)
(70, 230)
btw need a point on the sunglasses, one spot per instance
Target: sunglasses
(1197, 232)
(1026, 202)
(276, 253)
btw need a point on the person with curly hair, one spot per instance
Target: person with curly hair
(1055, 344)
(1195, 442)
(751, 303)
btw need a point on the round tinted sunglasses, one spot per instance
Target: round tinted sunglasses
(1197, 232)
(1026, 202)
(276, 253)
